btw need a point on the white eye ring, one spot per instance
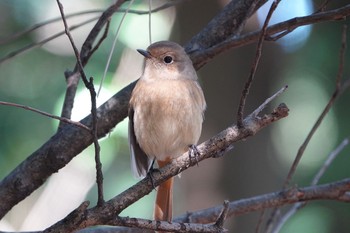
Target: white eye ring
(168, 59)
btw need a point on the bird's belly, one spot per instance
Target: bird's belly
(165, 130)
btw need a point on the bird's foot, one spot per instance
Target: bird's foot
(150, 174)
(193, 153)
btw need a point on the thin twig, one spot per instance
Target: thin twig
(208, 149)
(323, 114)
(203, 56)
(17, 35)
(72, 77)
(249, 82)
(345, 86)
(329, 161)
(35, 169)
(228, 23)
(103, 37)
(337, 191)
(150, 21)
(44, 41)
(113, 46)
(331, 191)
(90, 86)
(315, 181)
(76, 123)
(222, 217)
(260, 221)
(268, 100)
(302, 148)
(341, 57)
(323, 6)
(280, 35)
(157, 9)
(291, 29)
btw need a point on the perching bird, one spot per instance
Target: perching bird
(165, 115)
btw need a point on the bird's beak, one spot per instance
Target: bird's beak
(144, 53)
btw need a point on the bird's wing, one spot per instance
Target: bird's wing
(140, 163)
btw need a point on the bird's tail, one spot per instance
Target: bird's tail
(163, 210)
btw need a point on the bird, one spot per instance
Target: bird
(166, 112)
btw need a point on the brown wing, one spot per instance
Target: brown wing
(140, 163)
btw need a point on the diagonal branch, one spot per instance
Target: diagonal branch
(330, 103)
(68, 142)
(255, 64)
(11, 38)
(59, 150)
(332, 191)
(220, 143)
(315, 180)
(86, 52)
(90, 86)
(228, 23)
(232, 41)
(68, 121)
(336, 93)
(337, 191)
(44, 41)
(62, 147)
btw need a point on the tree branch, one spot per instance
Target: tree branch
(315, 180)
(337, 92)
(255, 64)
(229, 22)
(331, 191)
(59, 150)
(11, 38)
(337, 191)
(330, 103)
(203, 56)
(218, 144)
(90, 86)
(44, 41)
(68, 121)
(86, 52)
(68, 142)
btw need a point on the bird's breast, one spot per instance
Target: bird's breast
(167, 116)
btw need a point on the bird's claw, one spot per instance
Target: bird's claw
(193, 153)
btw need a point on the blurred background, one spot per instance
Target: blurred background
(306, 60)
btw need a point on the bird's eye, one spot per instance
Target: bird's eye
(168, 59)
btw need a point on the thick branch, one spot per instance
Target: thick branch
(167, 226)
(86, 52)
(332, 191)
(69, 141)
(205, 55)
(58, 151)
(211, 148)
(227, 23)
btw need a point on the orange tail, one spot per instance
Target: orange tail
(163, 210)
